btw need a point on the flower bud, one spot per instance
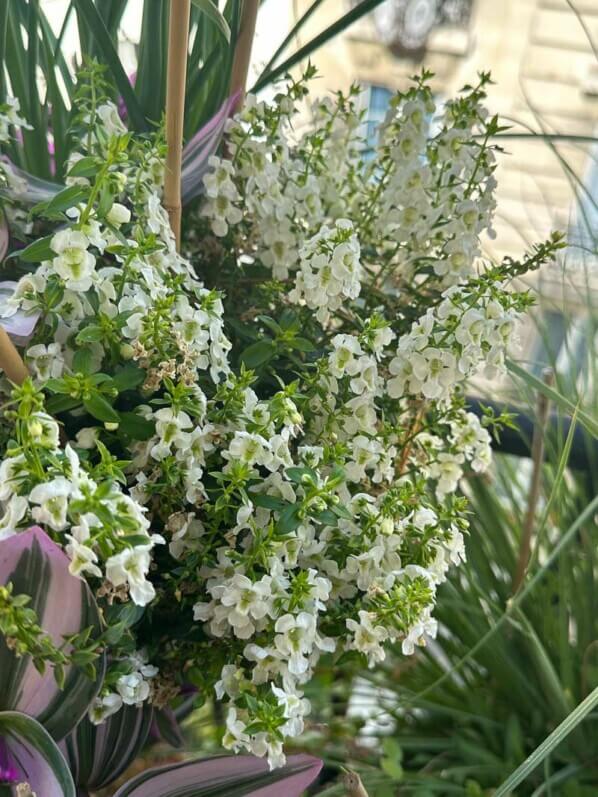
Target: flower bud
(110, 427)
(118, 214)
(35, 429)
(387, 526)
(127, 351)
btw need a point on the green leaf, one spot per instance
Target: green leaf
(267, 501)
(87, 166)
(136, 427)
(65, 199)
(211, 11)
(298, 474)
(46, 770)
(82, 361)
(37, 251)
(90, 334)
(129, 377)
(97, 406)
(57, 386)
(258, 353)
(58, 404)
(302, 344)
(289, 519)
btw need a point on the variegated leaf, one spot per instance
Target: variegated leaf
(198, 150)
(225, 776)
(98, 754)
(37, 567)
(32, 756)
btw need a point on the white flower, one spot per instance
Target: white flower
(246, 601)
(130, 567)
(235, 736)
(12, 472)
(52, 498)
(47, 362)
(83, 559)
(368, 638)
(112, 124)
(295, 639)
(14, 511)
(104, 707)
(73, 262)
(133, 689)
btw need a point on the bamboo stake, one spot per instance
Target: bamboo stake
(242, 58)
(178, 44)
(10, 360)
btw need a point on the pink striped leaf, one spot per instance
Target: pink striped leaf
(28, 754)
(98, 754)
(4, 235)
(198, 150)
(64, 605)
(225, 776)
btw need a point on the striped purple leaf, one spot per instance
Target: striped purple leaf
(28, 188)
(98, 754)
(198, 150)
(4, 235)
(37, 567)
(28, 754)
(225, 776)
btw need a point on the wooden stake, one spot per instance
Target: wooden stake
(178, 45)
(242, 58)
(10, 359)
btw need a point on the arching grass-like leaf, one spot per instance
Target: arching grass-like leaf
(37, 567)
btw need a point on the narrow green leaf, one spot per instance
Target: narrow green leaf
(89, 11)
(548, 745)
(290, 36)
(211, 11)
(591, 424)
(329, 33)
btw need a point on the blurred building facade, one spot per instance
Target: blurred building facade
(542, 56)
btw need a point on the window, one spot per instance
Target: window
(583, 232)
(378, 100)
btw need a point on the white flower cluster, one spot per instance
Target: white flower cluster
(42, 482)
(330, 270)
(309, 505)
(449, 343)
